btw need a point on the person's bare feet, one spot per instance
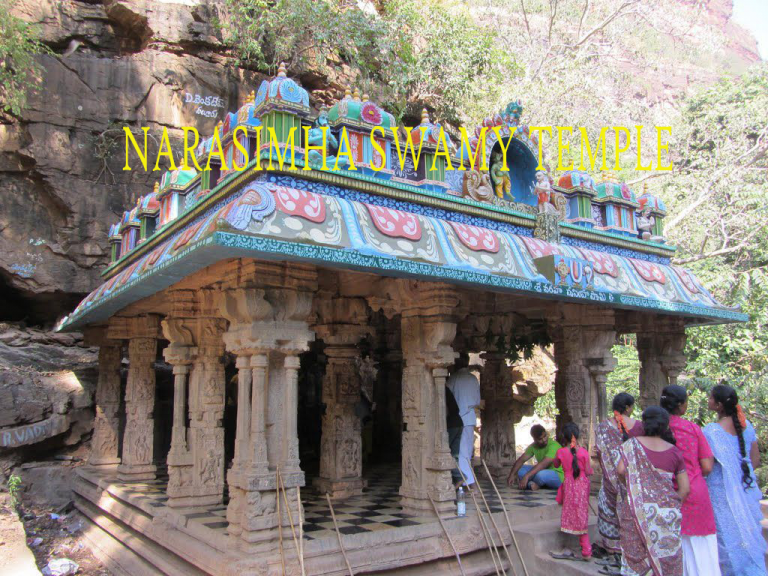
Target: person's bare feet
(533, 486)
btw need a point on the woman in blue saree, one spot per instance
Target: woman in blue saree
(733, 487)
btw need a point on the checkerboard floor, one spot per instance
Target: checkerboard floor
(378, 508)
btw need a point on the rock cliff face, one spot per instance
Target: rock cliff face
(118, 63)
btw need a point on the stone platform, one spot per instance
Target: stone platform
(134, 532)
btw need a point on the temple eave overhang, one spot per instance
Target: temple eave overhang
(280, 216)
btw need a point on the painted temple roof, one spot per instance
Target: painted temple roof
(513, 234)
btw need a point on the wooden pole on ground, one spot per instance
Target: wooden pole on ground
(301, 530)
(506, 515)
(445, 531)
(484, 527)
(501, 538)
(338, 534)
(279, 520)
(281, 488)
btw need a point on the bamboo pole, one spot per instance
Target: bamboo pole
(279, 520)
(281, 488)
(484, 527)
(338, 534)
(501, 538)
(506, 515)
(445, 531)
(301, 530)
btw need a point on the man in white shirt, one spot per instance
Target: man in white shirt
(466, 390)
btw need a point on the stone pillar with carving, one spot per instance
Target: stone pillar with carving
(138, 441)
(206, 406)
(428, 327)
(661, 350)
(106, 424)
(180, 354)
(497, 440)
(268, 329)
(583, 337)
(342, 324)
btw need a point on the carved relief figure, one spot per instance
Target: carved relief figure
(543, 192)
(501, 182)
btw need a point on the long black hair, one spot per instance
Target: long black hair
(571, 434)
(620, 403)
(656, 423)
(672, 397)
(727, 396)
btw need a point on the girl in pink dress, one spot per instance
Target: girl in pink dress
(573, 494)
(700, 556)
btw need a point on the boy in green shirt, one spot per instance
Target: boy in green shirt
(542, 475)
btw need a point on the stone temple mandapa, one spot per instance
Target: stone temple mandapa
(256, 309)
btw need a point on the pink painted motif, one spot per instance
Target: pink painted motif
(476, 238)
(378, 161)
(687, 280)
(539, 248)
(300, 203)
(649, 271)
(601, 262)
(186, 236)
(395, 223)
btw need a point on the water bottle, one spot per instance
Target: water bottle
(461, 504)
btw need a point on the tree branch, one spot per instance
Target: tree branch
(725, 171)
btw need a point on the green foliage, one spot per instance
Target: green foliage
(626, 376)
(430, 52)
(14, 487)
(19, 70)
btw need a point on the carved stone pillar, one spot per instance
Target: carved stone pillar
(661, 350)
(106, 424)
(180, 354)
(268, 329)
(583, 338)
(428, 329)
(138, 441)
(343, 323)
(206, 410)
(497, 444)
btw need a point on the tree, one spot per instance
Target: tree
(19, 69)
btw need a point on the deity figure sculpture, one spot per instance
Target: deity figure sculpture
(501, 182)
(544, 194)
(315, 138)
(645, 223)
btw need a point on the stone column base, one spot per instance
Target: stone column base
(340, 489)
(103, 461)
(421, 507)
(131, 473)
(192, 500)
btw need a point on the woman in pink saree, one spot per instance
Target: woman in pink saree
(650, 515)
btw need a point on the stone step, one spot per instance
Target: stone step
(537, 539)
(546, 565)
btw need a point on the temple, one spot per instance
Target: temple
(256, 308)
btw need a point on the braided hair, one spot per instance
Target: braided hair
(727, 396)
(620, 403)
(571, 435)
(656, 423)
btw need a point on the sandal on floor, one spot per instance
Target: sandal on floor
(610, 571)
(565, 555)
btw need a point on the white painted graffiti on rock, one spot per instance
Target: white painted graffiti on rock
(207, 106)
(23, 435)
